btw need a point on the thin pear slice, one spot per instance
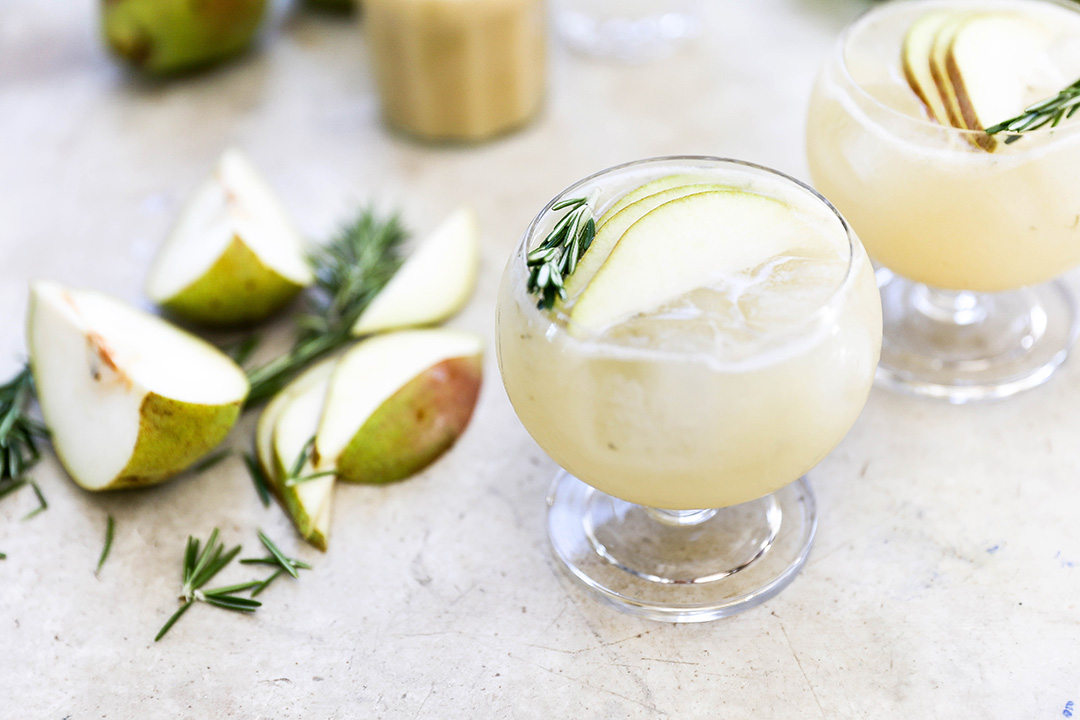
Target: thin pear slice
(233, 257)
(915, 57)
(433, 284)
(397, 402)
(307, 502)
(264, 430)
(939, 71)
(683, 245)
(607, 236)
(998, 65)
(650, 188)
(129, 399)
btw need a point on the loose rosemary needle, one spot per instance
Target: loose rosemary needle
(199, 568)
(1047, 112)
(350, 271)
(110, 527)
(276, 558)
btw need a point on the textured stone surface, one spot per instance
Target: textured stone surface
(945, 578)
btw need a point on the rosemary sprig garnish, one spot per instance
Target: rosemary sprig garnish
(557, 256)
(199, 569)
(278, 559)
(258, 478)
(1047, 112)
(19, 432)
(110, 527)
(349, 271)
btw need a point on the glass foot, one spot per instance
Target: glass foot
(636, 34)
(681, 566)
(965, 347)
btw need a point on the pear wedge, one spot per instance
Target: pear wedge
(682, 245)
(169, 36)
(398, 401)
(129, 399)
(434, 283)
(998, 64)
(285, 429)
(233, 257)
(915, 58)
(939, 52)
(607, 236)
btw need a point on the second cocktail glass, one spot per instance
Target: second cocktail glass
(970, 230)
(718, 344)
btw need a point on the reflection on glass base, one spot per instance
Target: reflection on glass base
(965, 347)
(630, 39)
(681, 566)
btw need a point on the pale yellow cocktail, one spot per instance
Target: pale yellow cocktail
(694, 378)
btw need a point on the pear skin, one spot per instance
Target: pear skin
(237, 290)
(415, 425)
(162, 37)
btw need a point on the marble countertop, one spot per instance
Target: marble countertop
(945, 578)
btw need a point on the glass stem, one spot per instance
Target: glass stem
(956, 307)
(682, 518)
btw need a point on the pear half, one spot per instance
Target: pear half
(616, 225)
(433, 284)
(682, 245)
(168, 36)
(397, 401)
(129, 399)
(233, 257)
(286, 427)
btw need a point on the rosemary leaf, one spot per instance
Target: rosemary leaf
(110, 526)
(18, 448)
(172, 620)
(258, 478)
(266, 583)
(11, 486)
(42, 504)
(285, 562)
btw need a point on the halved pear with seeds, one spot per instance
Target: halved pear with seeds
(299, 403)
(396, 402)
(233, 257)
(128, 398)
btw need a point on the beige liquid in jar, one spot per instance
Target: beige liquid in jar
(458, 70)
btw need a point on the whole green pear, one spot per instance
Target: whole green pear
(168, 36)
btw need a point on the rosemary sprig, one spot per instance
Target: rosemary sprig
(557, 256)
(199, 569)
(278, 559)
(19, 432)
(110, 527)
(258, 478)
(1047, 112)
(349, 271)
